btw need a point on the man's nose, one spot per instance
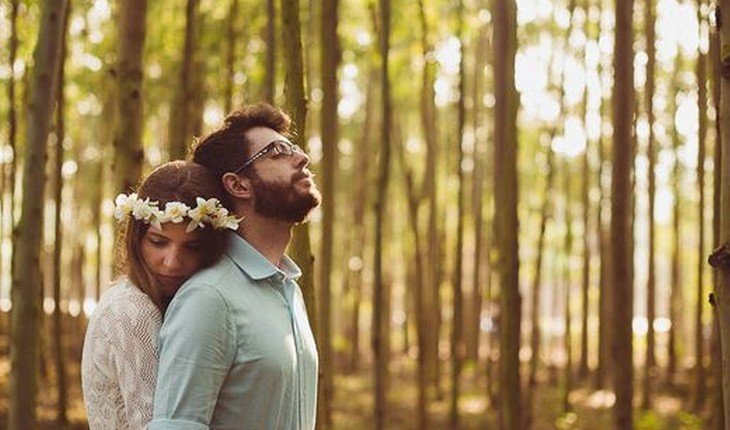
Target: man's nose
(302, 159)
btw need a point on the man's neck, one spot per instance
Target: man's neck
(267, 236)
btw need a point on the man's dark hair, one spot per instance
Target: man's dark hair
(226, 149)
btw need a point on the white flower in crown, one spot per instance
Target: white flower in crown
(174, 212)
(223, 219)
(203, 212)
(123, 205)
(144, 209)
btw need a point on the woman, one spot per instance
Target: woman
(173, 227)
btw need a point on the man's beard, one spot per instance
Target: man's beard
(283, 201)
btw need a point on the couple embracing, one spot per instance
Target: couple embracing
(208, 328)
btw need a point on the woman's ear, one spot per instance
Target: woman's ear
(237, 186)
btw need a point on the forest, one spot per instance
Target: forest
(526, 203)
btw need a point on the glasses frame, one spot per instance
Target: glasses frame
(275, 145)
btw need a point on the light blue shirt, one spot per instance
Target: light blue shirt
(236, 349)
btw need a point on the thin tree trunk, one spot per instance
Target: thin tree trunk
(12, 120)
(457, 321)
(296, 106)
(623, 110)
(27, 280)
(701, 70)
(271, 48)
(59, 362)
(330, 58)
(717, 414)
(603, 370)
(128, 151)
(181, 124)
(722, 254)
(568, 371)
(379, 324)
(506, 222)
(675, 297)
(231, 54)
(650, 361)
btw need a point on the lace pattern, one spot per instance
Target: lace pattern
(119, 361)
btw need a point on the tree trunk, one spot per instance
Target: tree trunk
(457, 319)
(271, 48)
(568, 376)
(717, 413)
(12, 118)
(650, 361)
(505, 196)
(26, 286)
(181, 123)
(676, 276)
(379, 324)
(701, 70)
(296, 106)
(59, 362)
(330, 58)
(722, 288)
(622, 258)
(231, 55)
(128, 151)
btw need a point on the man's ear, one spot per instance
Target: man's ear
(237, 186)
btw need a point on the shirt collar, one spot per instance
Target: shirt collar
(251, 261)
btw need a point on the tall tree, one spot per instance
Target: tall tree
(128, 151)
(568, 371)
(380, 347)
(59, 362)
(675, 297)
(27, 280)
(718, 417)
(505, 216)
(621, 255)
(295, 102)
(701, 73)
(457, 320)
(12, 113)
(231, 44)
(330, 58)
(271, 48)
(650, 361)
(721, 256)
(181, 118)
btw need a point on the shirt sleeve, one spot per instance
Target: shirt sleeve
(196, 351)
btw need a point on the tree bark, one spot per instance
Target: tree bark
(457, 320)
(271, 48)
(27, 280)
(231, 57)
(722, 288)
(296, 105)
(181, 117)
(622, 258)
(59, 362)
(506, 220)
(379, 324)
(650, 361)
(128, 151)
(701, 71)
(330, 58)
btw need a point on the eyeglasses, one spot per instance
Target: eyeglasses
(280, 147)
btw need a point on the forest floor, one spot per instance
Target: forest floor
(353, 399)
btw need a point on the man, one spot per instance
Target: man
(236, 348)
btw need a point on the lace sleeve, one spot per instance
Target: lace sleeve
(122, 345)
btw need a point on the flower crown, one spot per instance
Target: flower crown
(209, 211)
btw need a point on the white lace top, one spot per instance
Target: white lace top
(119, 361)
